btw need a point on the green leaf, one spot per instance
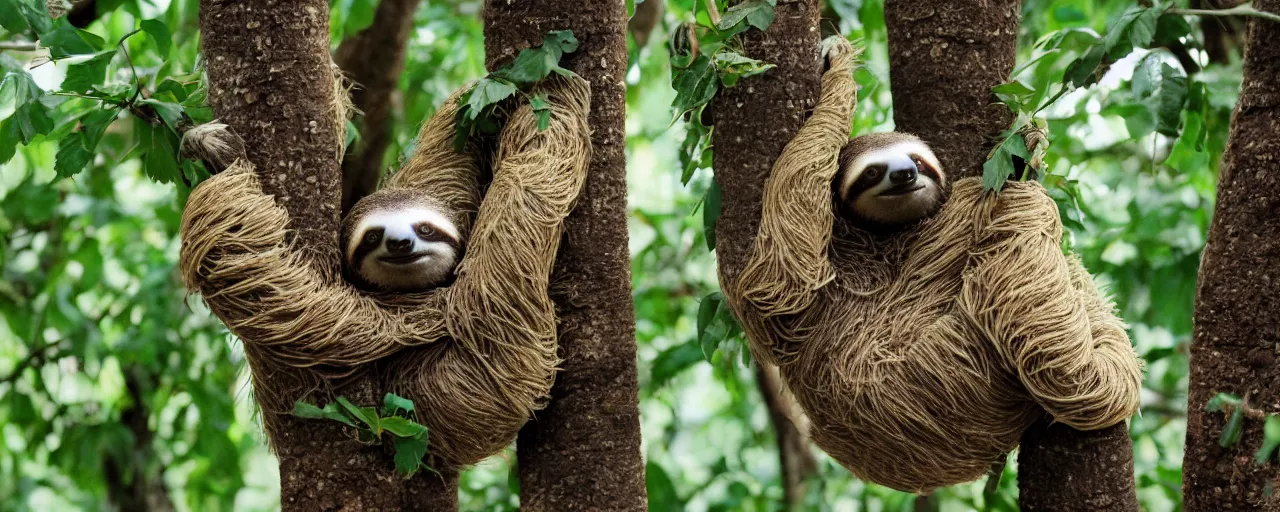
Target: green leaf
(711, 212)
(366, 415)
(672, 361)
(160, 153)
(564, 40)
(707, 310)
(1232, 430)
(10, 137)
(542, 110)
(531, 65)
(1222, 402)
(393, 404)
(72, 156)
(695, 85)
(1270, 439)
(662, 493)
(402, 427)
(305, 410)
(95, 124)
(488, 91)
(170, 112)
(1170, 100)
(65, 40)
(160, 34)
(410, 452)
(84, 75)
(32, 119)
(756, 13)
(997, 170)
(734, 66)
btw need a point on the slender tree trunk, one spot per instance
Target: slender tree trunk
(131, 484)
(583, 451)
(944, 58)
(794, 453)
(1236, 347)
(754, 121)
(373, 60)
(271, 79)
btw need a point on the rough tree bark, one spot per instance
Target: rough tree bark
(271, 80)
(1236, 344)
(583, 451)
(944, 58)
(373, 59)
(753, 123)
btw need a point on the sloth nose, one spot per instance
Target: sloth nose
(903, 174)
(399, 245)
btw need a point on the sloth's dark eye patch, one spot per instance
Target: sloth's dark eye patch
(429, 233)
(372, 236)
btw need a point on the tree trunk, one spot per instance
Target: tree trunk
(944, 58)
(1236, 344)
(373, 60)
(583, 451)
(271, 79)
(794, 453)
(754, 121)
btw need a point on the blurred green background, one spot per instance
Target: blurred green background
(112, 378)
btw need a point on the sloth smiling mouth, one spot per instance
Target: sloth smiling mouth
(900, 191)
(404, 259)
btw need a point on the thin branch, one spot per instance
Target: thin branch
(20, 46)
(1245, 9)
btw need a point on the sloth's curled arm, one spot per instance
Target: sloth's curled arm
(789, 261)
(1043, 313)
(500, 295)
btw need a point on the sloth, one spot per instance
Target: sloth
(887, 181)
(920, 332)
(400, 240)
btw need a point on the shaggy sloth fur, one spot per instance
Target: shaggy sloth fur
(920, 357)
(478, 357)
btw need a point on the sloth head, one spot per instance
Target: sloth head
(888, 181)
(400, 240)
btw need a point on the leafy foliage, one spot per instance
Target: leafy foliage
(409, 438)
(529, 67)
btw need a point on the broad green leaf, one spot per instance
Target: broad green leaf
(488, 91)
(531, 65)
(72, 156)
(1170, 100)
(32, 119)
(707, 310)
(695, 85)
(409, 455)
(84, 75)
(756, 13)
(564, 40)
(10, 137)
(662, 493)
(160, 34)
(160, 154)
(170, 112)
(1170, 28)
(672, 361)
(65, 40)
(542, 110)
(997, 170)
(95, 124)
(1222, 402)
(393, 404)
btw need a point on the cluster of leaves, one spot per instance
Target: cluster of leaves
(482, 102)
(409, 438)
(175, 103)
(1159, 92)
(1236, 410)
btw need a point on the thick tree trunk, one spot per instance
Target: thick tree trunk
(583, 451)
(271, 79)
(944, 58)
(753, 123)
(1236, 347)
(373, 60)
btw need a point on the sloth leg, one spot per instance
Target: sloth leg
(789, 261)
(1044, 315)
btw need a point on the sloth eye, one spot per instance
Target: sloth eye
(873, 173)
(372, 237)
(425, 230)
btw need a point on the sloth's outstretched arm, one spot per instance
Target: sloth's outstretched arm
(1045, 316)
(235, 251)
(789, 260)
(479, 388)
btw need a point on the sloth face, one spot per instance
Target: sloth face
(401, 246)
(888, 181)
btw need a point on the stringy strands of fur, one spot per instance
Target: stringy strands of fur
(477, 357)
(920, 358)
